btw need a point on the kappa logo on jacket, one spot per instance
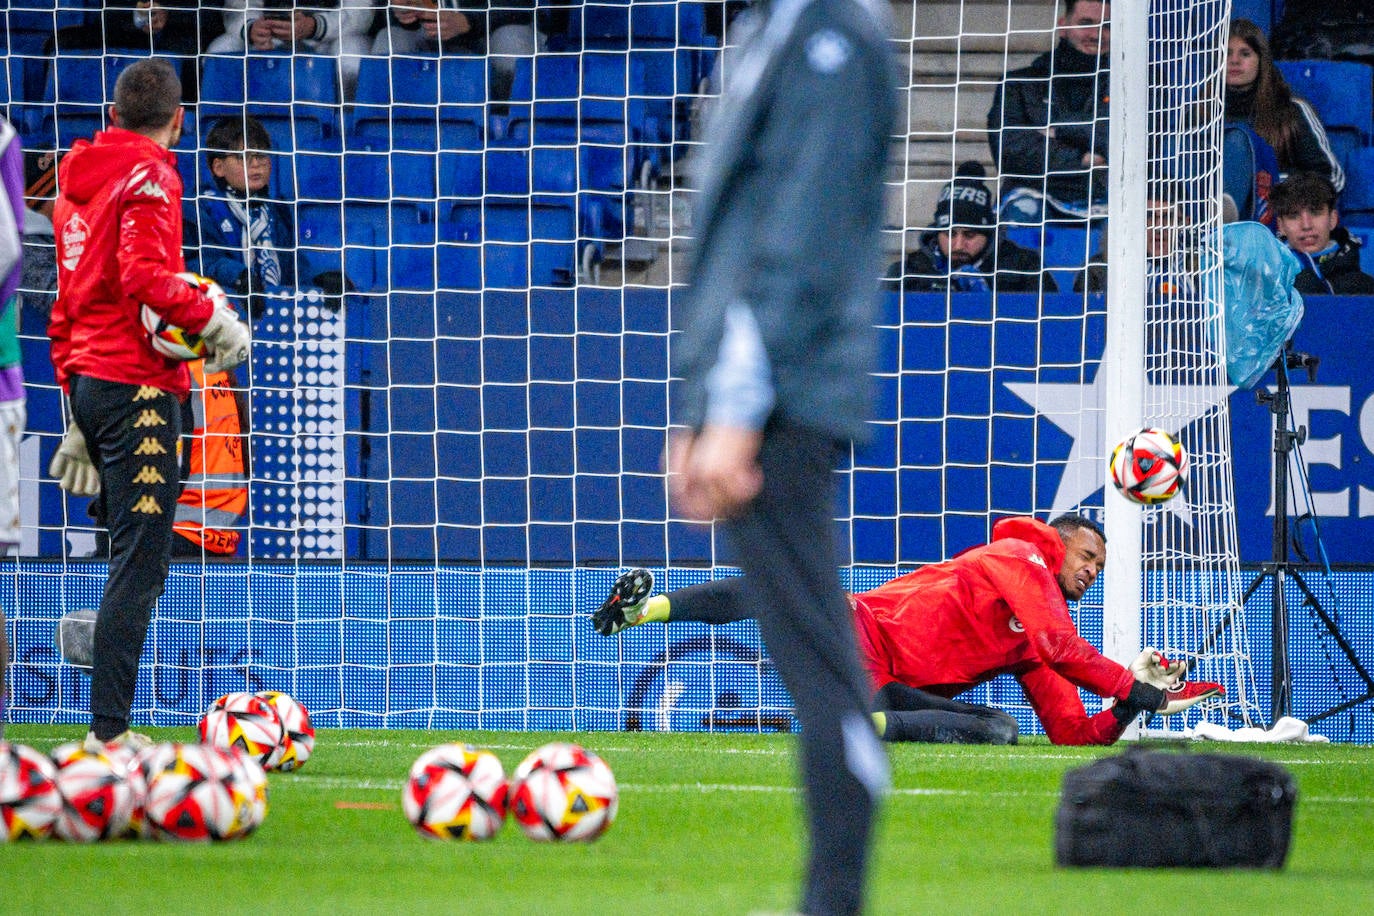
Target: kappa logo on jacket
(151, 188)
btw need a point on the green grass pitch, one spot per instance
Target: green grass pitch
(708, 824)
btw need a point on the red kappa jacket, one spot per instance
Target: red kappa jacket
(118, 228)
(995, 609)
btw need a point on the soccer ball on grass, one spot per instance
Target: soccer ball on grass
(563, 792)
(197, 793)
(298, 735)
(456, 792)
(30, 802)
(245, 721)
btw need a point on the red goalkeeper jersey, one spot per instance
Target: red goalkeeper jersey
(995, 609)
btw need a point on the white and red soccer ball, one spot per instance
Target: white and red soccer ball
(456, 792)
(247, 722)
(563, 792)
(1149, 466)
(30, 802)
(199, 793)
(298, 735)
(98, 798)
(175, 342)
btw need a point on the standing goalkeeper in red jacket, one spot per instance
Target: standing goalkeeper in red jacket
(932, 634)
(118, 229)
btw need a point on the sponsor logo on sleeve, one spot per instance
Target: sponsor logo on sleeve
(75, 233)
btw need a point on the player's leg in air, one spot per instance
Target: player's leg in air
(631, 603)
(908, 714)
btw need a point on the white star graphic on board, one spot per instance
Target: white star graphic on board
(1078, 410)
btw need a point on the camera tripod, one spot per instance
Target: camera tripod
(1280, 570)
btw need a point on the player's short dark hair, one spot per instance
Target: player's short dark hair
(1300, 191)
(1067, 523)
(1069, 5)
(147, 95)
(235, 133)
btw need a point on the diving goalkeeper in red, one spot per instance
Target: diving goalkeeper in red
(926, 637)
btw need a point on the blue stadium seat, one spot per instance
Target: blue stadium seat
(29, 25)
(530, 242)
(1065, 250)
(404, 97)
(336, 243)
(1342, 92)
(459, 252)
(1357, 199)
(402, 235)
(293, 95)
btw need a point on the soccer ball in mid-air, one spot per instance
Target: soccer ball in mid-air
(563, 792)
(1149, 466)
(456, 792)
(30, 802)
(245, 721)
(195, 794)
(175, 342)
(298, 735)
(97, 797)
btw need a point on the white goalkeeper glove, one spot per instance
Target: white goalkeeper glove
(72, 465)
(227, 339)
(1154, 669)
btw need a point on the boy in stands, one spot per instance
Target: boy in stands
(1305, 216)
(932, 634)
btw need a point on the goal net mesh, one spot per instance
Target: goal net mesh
(452, 458)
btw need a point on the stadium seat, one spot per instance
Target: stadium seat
(335, 243)
(529, 242)
(1342, 92)
(1357, 199)
(1065, 250)
(408, 95)
(295, 96)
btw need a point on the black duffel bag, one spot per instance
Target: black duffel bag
(1175, 810)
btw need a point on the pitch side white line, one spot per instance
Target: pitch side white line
(700, 788)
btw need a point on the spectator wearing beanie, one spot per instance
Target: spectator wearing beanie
(962, 251)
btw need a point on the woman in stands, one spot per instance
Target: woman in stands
(1258, 97)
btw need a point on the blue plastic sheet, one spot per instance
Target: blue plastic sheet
(1262, 307)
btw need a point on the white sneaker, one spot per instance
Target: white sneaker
(133, 741)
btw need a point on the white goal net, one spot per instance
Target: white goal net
(452, 456)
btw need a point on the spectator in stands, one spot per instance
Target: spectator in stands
(166, 27)
(39, 283)
(962, 251)
(176, 28)
(237, 235)
(331, 27)
(1047, 126)
(503, 32)
(1305, 216)
(1167, 269)
(1266, 121)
